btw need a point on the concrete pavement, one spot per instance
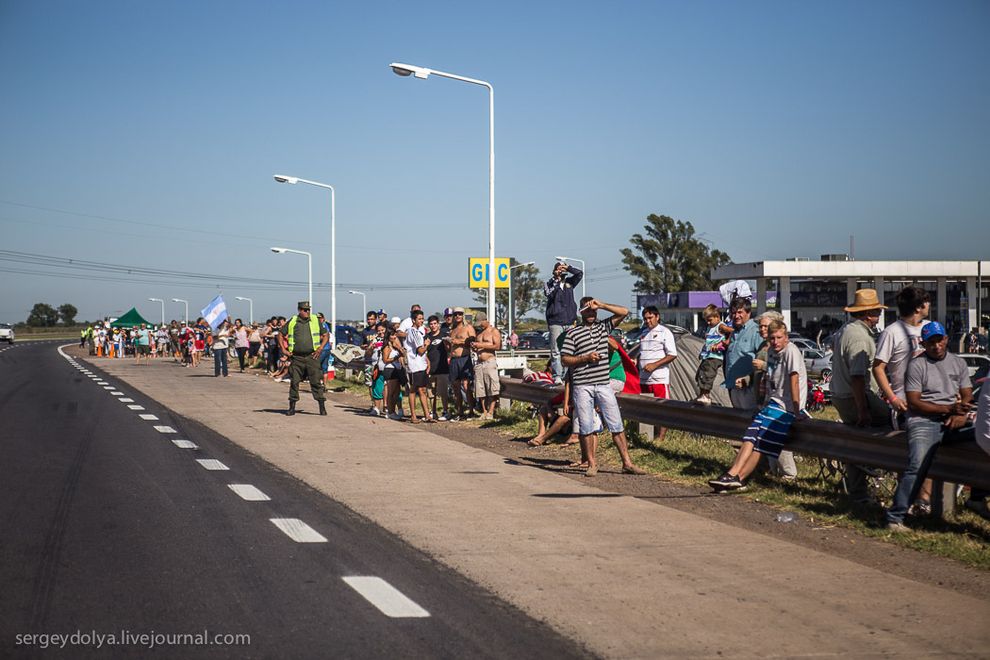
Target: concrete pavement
(625, 577)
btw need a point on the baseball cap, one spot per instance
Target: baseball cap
(932, 329)
(447, 311)
(396, 319)
(458, 310)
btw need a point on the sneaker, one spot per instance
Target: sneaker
(979, 507)
(898, 528)
(442, 418)
(396, 418)
(704, 400)
(727, 482)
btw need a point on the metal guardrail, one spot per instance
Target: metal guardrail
(963, 464)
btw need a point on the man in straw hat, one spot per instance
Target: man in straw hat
(855, 393)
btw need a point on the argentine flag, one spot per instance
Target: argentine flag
(216, 312)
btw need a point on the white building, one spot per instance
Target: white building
(811, 294)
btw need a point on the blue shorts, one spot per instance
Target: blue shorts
(460, 368)
(586, 397)
(768, 430)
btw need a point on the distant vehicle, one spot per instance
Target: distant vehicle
(803, 342)
(347, 334)
(534, 340)
(818, 363)
(979, 365)
(7, 333)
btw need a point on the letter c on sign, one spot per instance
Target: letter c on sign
(476, 272)
(503, 272)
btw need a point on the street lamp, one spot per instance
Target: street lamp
(423, 73)
(364, 302)
(281, 178)
(584, 277)
(512, 348)
(250, 307)
(159, 300)
(282, 250)
(186, 303)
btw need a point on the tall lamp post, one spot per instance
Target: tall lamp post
(512, 349)
(364, 302)
(309, 256)
(281, 178)
(186, 303)
(159, 300)
(423, 73)
(250, 307)
(584, 278)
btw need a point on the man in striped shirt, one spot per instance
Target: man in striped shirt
(585, 353)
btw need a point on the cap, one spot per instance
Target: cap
(458, 310)
(396, 319)
(303, 304)
(932, 329)
(447, 311)
(480, 316)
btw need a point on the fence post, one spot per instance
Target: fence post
(943, 499)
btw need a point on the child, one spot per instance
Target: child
(712, 353)
(550, 423)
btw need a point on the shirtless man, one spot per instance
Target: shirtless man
(486, 385)
(461, 337)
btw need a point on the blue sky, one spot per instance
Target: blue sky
(777, 128)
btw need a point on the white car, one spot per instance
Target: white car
(978, 365)
(7, 333)
(818, 363)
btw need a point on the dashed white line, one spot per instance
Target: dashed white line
(136, 407)
(149, 417)
(185, 444)
(165, 429)
(108, 387)
(101, 382)
(116, 394)
(249, 492)
(211, 464)
(389, 600)
(126, 400)
(298, 531)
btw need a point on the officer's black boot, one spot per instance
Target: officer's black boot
(292, 408)
(323, 407)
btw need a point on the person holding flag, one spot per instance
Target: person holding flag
(304, 338)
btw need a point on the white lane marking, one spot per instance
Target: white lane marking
(109, 387)
(165, 429)
(116, 394)
(185, 444)
(392, 602)
(248, 492)
(298, 531)
(136, 407)
(149, 417)
(126, 400)
(101, 382)
(211, 464)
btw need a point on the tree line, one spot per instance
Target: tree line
(44, 315)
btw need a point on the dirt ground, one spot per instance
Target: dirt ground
(724, 508)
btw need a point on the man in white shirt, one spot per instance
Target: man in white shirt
(416, 366)
(656, 350)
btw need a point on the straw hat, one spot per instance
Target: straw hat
(866, 299)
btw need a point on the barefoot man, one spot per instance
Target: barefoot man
(461, 336)
(585, 353)
(486, 385)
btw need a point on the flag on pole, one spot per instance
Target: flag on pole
(216, 312)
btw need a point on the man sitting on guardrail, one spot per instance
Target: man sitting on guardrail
(585, 353)
(786, 392)
(939, 393)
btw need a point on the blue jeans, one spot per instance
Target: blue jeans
(220, 361)
(325, 359)
(555, 332)
(924, 436)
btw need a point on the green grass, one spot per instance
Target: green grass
(691, 459)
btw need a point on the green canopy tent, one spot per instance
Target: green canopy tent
(130, 320)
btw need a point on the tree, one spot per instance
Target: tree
(67, 312)
(527, 292)
(670, 258)
(42, 316)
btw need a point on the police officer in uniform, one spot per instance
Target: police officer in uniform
(303, 338)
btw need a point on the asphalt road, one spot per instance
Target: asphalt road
(109, 526)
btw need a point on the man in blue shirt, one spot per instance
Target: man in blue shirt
(746, 341)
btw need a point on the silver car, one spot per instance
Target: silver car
(818, 363)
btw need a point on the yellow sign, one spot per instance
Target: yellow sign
(478, 272)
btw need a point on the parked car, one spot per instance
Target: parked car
(979, 365)
(803, 342)
(534, 340)
(818, 363)
(7, 333)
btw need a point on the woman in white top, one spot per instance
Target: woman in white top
(220, 343)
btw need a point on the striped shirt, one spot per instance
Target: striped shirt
(584, 339)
